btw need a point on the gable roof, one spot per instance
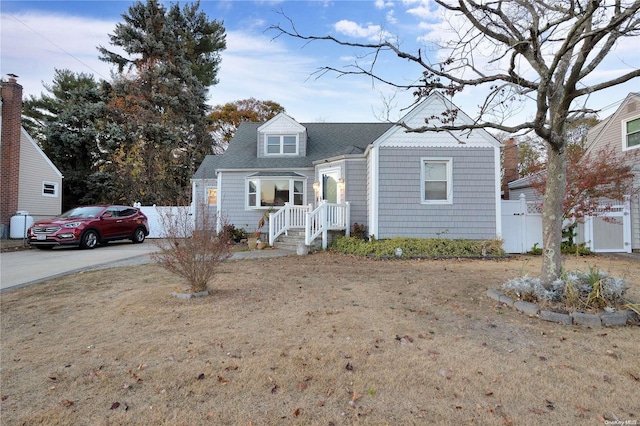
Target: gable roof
(600, 129)
(324, 140)
(434, 105)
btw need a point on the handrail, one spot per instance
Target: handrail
(288, 217)
(326, 217)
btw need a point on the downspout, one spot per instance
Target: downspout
(498, 184)
(374, 180)
(219, 204)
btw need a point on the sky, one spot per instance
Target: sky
(40, 36)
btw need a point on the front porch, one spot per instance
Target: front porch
(316, 223)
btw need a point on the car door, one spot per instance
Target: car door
(110, 223)
(128, 220)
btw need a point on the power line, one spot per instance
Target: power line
(58, 47)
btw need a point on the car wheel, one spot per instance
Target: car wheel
(89, 239)
(44, 247)
(138, 236)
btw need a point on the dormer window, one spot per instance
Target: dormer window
(282, 145)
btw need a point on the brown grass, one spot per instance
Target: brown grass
(321, 339)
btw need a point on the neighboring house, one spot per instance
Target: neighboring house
(30, 181)
(321, 177)
(621, 131)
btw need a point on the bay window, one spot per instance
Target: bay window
(274, 192)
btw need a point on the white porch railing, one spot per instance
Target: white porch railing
(326, 217)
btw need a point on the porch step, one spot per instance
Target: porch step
(291, 241)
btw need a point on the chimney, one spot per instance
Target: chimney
(510, 166)
(10, 150)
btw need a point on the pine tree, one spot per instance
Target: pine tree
(160, 96)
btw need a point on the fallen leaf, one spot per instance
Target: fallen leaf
(53, 377)
(355, 396)
(612, 354)
(320, 403)
(274, 389)
(142, 366)
(537, 410)
(296, 412)
(634, 377)
(488, 393)
(222, 379)
(201, 376)
(349, 367)
(542, 358)
(115, 405)
(231, 367)
(67, 403)
(581, 408)
(330, 392)
(606, 378)
(307, 378)
(301, 386)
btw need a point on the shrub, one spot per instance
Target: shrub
(566, 247)
(417, 247)
(192, 249)
(575, 289)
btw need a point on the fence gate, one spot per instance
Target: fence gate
(521, 225)
(610, 231)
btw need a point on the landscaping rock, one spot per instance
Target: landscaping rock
(494, 294)
(526, 307)
(587, 320)
(614, 318)
(556, 317)
(507, 300)
(187, 296)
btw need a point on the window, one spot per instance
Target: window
(275, 192)
(436, 181)
(212, 196)
(279, 145)
(49, 189)
(632, 133)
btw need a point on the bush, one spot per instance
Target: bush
(566, 247)
(192, 250)
(575, 289)
(407, 248)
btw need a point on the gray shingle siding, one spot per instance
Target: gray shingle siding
(356, 190)
(233, 199)
(473, 212)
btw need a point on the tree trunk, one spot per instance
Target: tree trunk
(552, 215)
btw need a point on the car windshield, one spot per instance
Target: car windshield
(82, 212)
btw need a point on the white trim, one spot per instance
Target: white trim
(449, 179)
(56, 189)
(259, 179)
(281, 116)
(374, 185)
(624, 134)
(281, 153)
(35, 145)
(219, 217)
(498, 192)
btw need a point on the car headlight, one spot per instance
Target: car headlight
(72, 225)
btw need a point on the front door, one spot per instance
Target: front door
(330, 191)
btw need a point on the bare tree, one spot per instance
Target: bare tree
(523, 53)
(190, 246)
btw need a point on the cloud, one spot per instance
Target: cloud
(383, 4)
(352, 29)
(422, 9)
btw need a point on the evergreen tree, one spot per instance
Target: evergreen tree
(68, 125)
(160, 97)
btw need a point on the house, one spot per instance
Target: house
(322, 177)
(621, 131)
(30, 181)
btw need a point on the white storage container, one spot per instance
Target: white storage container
(19, 224)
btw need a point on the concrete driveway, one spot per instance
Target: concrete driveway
(25, 267)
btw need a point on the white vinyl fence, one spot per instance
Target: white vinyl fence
(610, 231)
(156, 213)
(521, 225)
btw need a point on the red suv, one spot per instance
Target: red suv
(89, 226)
